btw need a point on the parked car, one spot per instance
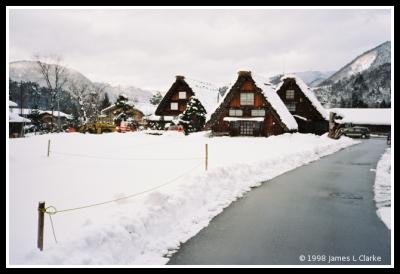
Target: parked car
(356, 132)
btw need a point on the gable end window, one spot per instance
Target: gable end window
(182, 95)
(290, 94)
(247, 99)
(291, 107)
(174, 106)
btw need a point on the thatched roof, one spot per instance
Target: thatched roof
(308, 93)
(270, 99)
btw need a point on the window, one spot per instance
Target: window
(235, 112)
(258, 112)
(174, 106)
(290, 94)
(291, 106)
(182, 95)
(246, 99)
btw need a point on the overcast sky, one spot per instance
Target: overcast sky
(147, 48)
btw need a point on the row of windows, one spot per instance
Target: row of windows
(254, 112)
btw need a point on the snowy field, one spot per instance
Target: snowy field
(144, 229)
(383, 188)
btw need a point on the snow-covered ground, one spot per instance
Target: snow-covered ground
(88, 169)
(383, 188)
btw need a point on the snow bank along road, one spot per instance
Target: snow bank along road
(89, 169)
(324, 208)
(383, 188)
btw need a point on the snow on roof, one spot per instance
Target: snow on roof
(27, 111)
(12, 104)
(271, 96)
(300, 117)
(15, 118)
(206, 92)
(276, 102)
(258, 119)
(56, 113)
(307, 92)
(364, 116)
(130, 103)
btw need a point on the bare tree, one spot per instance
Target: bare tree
(80, 93)
(94, 106)
(55, 77)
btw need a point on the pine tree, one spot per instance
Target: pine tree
(122, 108)
(156, 99)
(194, 117)
(106, 101)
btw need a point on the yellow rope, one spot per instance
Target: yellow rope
(124, 159)
(54, 211)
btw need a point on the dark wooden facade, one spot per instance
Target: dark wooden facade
(175, 100)
(301, 107)
(244, 122)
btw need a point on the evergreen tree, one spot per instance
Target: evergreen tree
(194, 117)
(106, 101)
(122, 108)
(156, 99)
(35, 118)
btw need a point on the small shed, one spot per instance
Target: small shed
(378, 120)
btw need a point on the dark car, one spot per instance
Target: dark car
(356, 132)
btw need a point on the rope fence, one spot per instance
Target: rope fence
(52, 210)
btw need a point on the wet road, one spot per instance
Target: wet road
(325, 208)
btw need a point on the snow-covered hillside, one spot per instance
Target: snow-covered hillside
(368, 60)
(311, 78)
(29, 71)
(178, 197)
(364, 82)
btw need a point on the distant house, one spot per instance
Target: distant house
(250, 107)
(16, 122)
(301, 102)
(110, 114)
(45, 117)
(378, 120)
(175, 100)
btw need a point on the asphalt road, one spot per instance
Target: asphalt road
(325, 208)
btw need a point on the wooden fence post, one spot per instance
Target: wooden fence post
(206, 156)
(48, 148)
(41, 210)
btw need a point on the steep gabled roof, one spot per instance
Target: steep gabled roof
(307, 92)
(271, 99)
(206, 92)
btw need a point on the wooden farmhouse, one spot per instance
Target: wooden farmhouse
(310, 115)
(110, 114)
(250, 107)
(175, 100)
